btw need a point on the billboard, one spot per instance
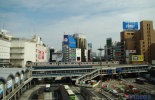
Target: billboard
(9, 84)
(137, 58)
(16, 80)
(66, 40)
(130, 25)
(1, 88)
(39, 54)
(72, 42)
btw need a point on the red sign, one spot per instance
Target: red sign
(39, 54)
(42, 54)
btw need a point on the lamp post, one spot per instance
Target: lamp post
(101, 49)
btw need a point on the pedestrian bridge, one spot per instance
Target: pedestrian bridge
(101, 71)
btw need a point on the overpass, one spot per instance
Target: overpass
(84, 71)
(13, 82)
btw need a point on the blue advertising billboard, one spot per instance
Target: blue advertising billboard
(72, 42)
(130, 25)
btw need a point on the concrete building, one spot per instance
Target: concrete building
(69, 48)
(140, 41)
(5, 48)
(90, 54)
(23, 50)
(81, 43)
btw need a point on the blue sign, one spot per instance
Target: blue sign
(72, 42)
(69, 40)
(130, 25)
(109, 71)
(89, 46)
(118, 70)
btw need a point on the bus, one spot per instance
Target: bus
(71, 95)
(140, 80)
(47, 87)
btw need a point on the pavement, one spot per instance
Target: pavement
(27, 93)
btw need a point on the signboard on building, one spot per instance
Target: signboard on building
(21, 77)
(1, 88)
(72, 42)
(16, 80)
(132, 51)
(9, 84)
(137, 58)
(130, 25)
(66, 40)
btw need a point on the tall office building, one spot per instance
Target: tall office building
(5, 44)
(139, 42)
(109, 50)
(90, 57)
(70, 52)
(81, 43)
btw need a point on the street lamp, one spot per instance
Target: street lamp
(101, 49)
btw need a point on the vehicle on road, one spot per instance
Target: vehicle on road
(47, 87)
(140, 80)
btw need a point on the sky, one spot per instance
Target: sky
(51, 19)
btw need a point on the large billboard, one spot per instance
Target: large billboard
(130, 25)
(137, 58)
(72, 42)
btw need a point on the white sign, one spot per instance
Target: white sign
(21, 77)
(1, 88)
(9, 84)
(16, 79)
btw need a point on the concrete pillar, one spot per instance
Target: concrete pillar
(4, 90)
(14, 97)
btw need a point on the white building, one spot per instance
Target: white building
(5, 48)
(23, 50)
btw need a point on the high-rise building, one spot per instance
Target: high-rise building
(5, 44)
(81, 43)
(109, 50)
(69, 49)
(139, 42)
(90, 58)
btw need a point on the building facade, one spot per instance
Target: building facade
(139, 41)
(5, 44)
(81, 43)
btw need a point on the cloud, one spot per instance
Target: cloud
(97, 19)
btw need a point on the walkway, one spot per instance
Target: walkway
(27, 93)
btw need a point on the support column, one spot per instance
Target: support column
(4, 90)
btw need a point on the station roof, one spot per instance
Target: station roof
(10, 72)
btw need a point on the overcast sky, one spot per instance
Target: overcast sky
(50, 19)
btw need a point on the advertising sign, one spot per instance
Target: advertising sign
(9, 84)
(1, 88)
(21, 77)
(130, 25)
(66, 40)
(42, 54)
(72, 42)
(39, 54)
(16, 80)
(137, 58)
(132, 51)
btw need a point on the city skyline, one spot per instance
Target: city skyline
(50, 19)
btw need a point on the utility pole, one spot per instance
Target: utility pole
(101, 49)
